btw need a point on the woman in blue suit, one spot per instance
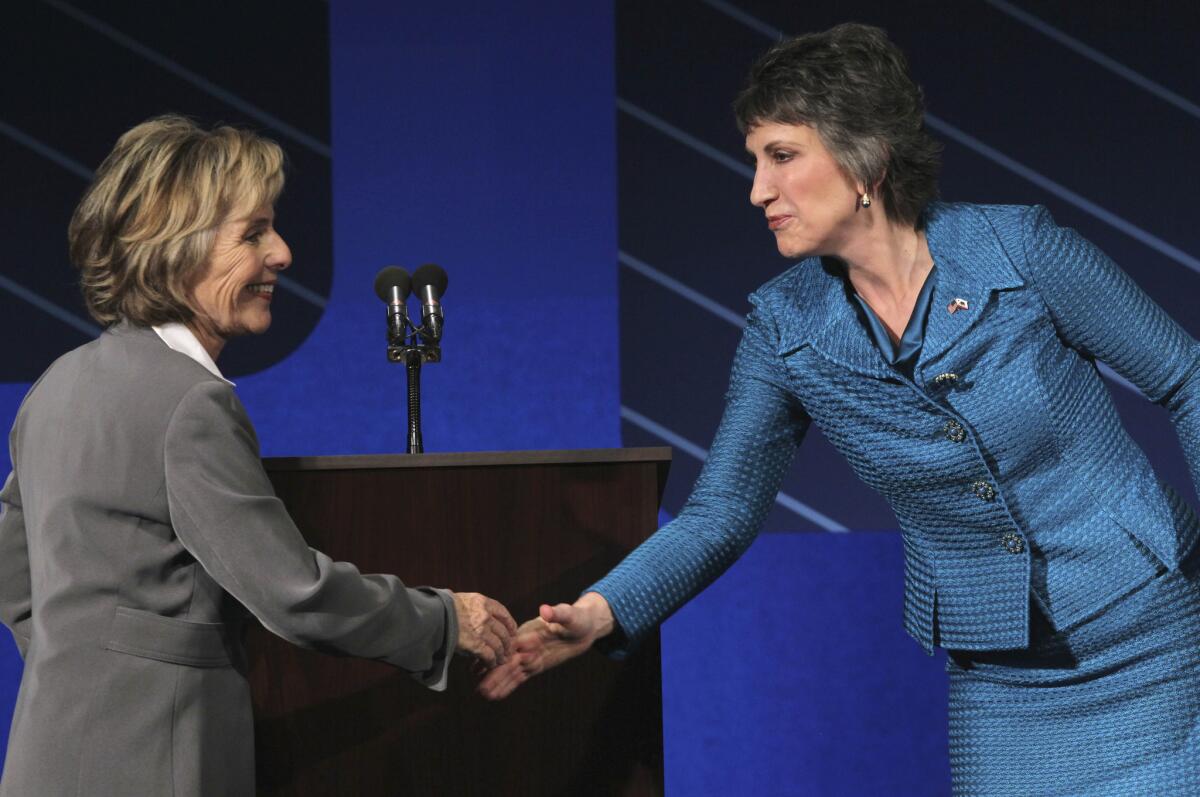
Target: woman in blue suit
(949, 352)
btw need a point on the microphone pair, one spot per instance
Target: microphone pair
(393, 286)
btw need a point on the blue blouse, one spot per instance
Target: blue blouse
(904, 355)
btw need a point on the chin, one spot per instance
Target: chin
(793, 252)
(256, 326)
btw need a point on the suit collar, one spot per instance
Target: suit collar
(181, 339)
(971, 265)
(821, 313)
(172, 345)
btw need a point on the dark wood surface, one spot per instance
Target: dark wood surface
(523, 527)
(458, 459)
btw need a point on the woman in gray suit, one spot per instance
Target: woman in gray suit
(139, 530)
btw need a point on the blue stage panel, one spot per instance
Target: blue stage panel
(791, 675)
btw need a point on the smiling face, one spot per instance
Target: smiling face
(233, 297)
(811, 203)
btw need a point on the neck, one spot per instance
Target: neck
(887, 264)
(209, 339)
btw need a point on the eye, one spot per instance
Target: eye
(782, 155)
(253, 237)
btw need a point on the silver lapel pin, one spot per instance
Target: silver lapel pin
(956, 305)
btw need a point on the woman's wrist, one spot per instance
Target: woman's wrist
(601, 621)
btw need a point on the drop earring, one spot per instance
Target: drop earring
(866, 200)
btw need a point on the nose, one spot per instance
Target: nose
(280, 256)
(762, 190)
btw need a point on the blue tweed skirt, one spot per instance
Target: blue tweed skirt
(1110, 706)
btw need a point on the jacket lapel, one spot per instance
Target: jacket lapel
(820, 315)
(971, 265)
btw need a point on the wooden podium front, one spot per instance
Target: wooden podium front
(522, 527)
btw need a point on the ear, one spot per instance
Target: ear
(878, 182)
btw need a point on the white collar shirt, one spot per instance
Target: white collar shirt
(183, 340)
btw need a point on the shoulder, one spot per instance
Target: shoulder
(213, 399)
(1015, 226)
(128, 371)
(209, 425)
(139, 356)
(800, 283)
(210, 412)
(787, 304)
(963, 223)
(998, 215)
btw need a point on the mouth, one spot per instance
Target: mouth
(775, 222)
(262, 290)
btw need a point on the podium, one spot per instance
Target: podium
(523, 527)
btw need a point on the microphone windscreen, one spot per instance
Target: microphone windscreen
(392, 277)
(432, 275)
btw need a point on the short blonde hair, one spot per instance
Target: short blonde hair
(142, 234)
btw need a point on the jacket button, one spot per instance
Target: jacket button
(1013, 543)
(954, 431)
(983, 491)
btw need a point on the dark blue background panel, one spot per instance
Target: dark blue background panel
(791, 676)
(78, 74)
(479, 137)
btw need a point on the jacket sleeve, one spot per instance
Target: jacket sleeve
(225, 512)
(754, 445)
(1100, 311)
(15, 595)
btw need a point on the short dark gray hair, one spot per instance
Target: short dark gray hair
(851, 85)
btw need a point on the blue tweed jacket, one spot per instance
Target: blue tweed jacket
(1003, 457)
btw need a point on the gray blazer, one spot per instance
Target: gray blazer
(139, 533)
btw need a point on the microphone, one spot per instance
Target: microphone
(429, 283)
(393, 285)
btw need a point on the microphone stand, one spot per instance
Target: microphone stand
(414, 350)
(409, 343)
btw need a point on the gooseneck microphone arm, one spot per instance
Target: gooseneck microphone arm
(408, 343)
(413, 366)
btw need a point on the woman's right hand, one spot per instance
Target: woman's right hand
(559, 633)
(485, 628)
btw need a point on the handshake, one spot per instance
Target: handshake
(512, 655)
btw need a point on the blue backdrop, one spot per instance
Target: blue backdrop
(575, 169)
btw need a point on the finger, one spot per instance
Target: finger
(500, 613)
(498, 688)
(529, 642)
(494, 645)
(502, 633)
(509, 685)
(531, 625)
(499, 627)
(487, 688)
(498, 682)
(561, 619)
(505, 682)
